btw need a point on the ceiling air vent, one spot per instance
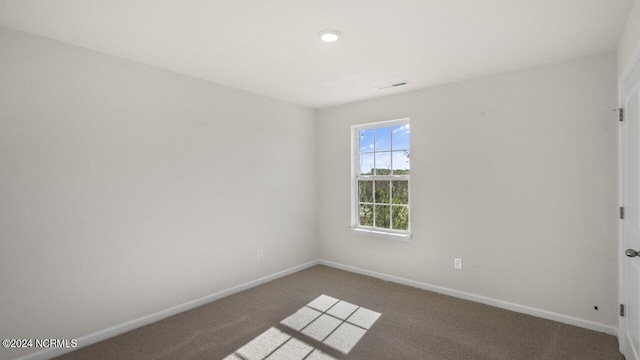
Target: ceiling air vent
(389, 86)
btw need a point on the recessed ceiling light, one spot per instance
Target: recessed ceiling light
(329, 35)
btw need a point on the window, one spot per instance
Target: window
(381, 171)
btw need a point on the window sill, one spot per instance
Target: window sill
(380, 234)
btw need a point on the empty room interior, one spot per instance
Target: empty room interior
(320, 180)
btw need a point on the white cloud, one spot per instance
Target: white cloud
(404, 129)
(400, 128)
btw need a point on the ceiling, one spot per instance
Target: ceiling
(270, 47)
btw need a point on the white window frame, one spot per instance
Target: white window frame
(355, 176)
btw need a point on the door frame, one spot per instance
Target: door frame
(633, 61)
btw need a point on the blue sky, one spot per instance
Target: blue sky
(386, 139)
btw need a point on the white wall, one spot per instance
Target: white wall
(514, 173)
(630, 39)
(126, 189)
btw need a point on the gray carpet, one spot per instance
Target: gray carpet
(414, 324)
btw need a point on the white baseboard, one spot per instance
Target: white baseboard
(587, 324)
(162, 314)
(157, 316)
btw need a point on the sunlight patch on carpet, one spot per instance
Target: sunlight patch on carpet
(275, 344)
(335, 323)
(263, 345)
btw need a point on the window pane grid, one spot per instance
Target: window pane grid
(389, 209)
(384, 163)
(382, 179)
